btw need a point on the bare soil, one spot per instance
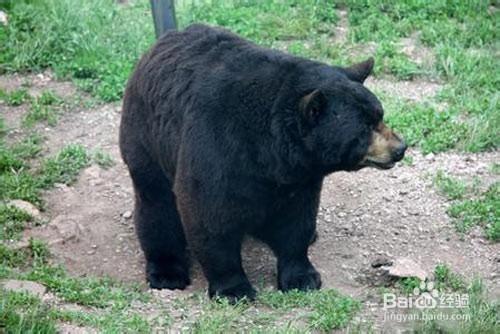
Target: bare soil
(363, 215)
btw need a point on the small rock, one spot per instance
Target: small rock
(25, 206)
(127, 214)
(405, 267)
(31, 287)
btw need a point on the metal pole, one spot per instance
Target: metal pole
(163, 16)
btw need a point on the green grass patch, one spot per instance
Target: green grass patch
(96, 292)
(482, 315)
(446, 280)
(23, 313)
(408, 284)
(16, 97)
(64, 167)
(424, 126)
(19, 181)
(452, 188)
(43, 108)
(483, 211)
(103, 159)
(12, 222)
(468, 23)
(328, 309)
(95, 45)
(264, 21)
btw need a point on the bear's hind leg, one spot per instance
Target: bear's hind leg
(159, 228)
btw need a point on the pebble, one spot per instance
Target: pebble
(127, 214)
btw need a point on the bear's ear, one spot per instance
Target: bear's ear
(359, 72)
(312, 105)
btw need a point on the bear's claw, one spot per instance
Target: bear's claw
(301, 280)
(235, 293)
(172, 278)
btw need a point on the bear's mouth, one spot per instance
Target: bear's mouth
(379, 164)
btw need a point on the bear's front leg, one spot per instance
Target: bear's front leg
(289, 233)
(220, 257)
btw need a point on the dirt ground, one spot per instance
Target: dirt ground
(363, 215)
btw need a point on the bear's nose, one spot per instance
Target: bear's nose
(399, 152)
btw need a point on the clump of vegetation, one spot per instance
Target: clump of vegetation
(470, 207)
(23, 313)
(445, 279)
(19, 181)
(64, 167)
(103, 159)
(408, 284)
(12, 222)
(328, 309)
(482, 315)
(15, 98)
(452, 188)
(42, 109)
(483, 211)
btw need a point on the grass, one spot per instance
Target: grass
(23, 313)
(102, 159)
(408, 284)
(483, 315)
(97, 46)
(446, 280)
(422, 125)
(328, 309)
(15, 98)
(12, 222)
(470, 207)
(19, 181)
(483, 211)
(43, 109)
(452, 188)
(64, 167)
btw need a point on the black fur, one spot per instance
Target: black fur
(223, 138)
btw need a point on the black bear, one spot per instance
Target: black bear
(223, 139)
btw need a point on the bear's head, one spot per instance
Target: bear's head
(346, 130)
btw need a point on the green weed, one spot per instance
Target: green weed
(450, 187)
(445, 279)
(482, 315)
(328, 309)
(103, 159)
(15, 98)
(23, 313)
(12, 222)
(483, 211)
(42, 109)
(408, 284)
(18, 181)
(64, 167)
